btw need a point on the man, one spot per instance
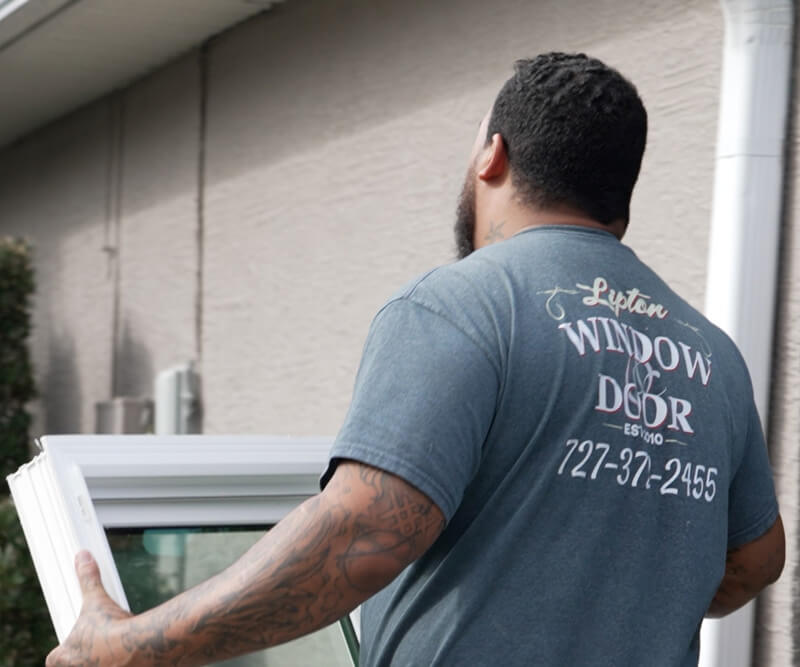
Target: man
(550, 457)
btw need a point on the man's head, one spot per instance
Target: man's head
(571, 132)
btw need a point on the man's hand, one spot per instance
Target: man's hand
(94, 636)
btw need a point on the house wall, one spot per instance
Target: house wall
(333, 171)
(52, 190)
(251, 205)
(157, 226)
(109, 198)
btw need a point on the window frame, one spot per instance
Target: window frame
(79, 485)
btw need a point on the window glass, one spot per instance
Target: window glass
(155, 564)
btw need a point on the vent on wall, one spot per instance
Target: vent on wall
(178, 401)
(124, 415)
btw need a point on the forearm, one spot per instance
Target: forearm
(313, 567)
(733, 593)
(748, 570)
(286, 585)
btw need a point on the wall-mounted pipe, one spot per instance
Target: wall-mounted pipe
(745, 225)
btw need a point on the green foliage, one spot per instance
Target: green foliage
(26, 633)
(16, 372)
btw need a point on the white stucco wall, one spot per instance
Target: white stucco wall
(336, 144)
(52, 191)
(108, 197)
(338, 134)
(158, 226)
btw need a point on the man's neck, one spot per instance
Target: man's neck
(515, 219)
(616, 228)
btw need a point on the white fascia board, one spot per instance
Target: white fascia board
(8, 7)
(80, 485)
(17, 17)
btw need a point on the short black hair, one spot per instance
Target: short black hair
(575, 131)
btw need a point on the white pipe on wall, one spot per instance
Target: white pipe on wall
(745, 225)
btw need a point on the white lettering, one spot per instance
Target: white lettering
(681, 409)
(659, 412)
(623, 338)
(631, 396)
(644, 350)
(650, 409)
(611, 344)
(650, 437)
(603, 402)
(698, 363)
(584, 333)
(632, 300)
(673, 351)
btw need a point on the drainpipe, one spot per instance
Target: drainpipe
(745, 226)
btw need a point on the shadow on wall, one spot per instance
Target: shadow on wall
(61, 395)
(133, 366)
(61, 389)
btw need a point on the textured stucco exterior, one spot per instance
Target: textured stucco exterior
(108, 196)
(324, 179)
(333, 171)
(52, 190)
(157, 220)
(250, 206)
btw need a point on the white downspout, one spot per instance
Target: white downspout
(745, 225)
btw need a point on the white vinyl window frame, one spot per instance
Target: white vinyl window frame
(79, 485)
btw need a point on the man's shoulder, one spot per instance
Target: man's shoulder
(457, 286)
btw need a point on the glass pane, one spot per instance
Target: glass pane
(155, 564)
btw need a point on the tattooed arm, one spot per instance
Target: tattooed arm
(748, 570)
(317, 564)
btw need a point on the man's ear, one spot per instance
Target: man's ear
(494, 159)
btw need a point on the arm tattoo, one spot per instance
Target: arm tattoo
(404, 519)
(321, 561)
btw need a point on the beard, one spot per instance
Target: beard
(464, 228)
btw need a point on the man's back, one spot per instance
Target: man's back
(582, 450)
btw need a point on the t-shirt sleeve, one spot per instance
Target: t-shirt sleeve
(752, 505)
(423, 402)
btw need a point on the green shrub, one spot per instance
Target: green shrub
(26, 633)
(16, 372)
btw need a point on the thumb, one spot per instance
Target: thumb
(88, 574)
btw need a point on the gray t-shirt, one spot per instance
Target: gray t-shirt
(592, 441)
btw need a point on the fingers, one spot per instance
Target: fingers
(54, 658)
(88, 641)
(88, 573)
